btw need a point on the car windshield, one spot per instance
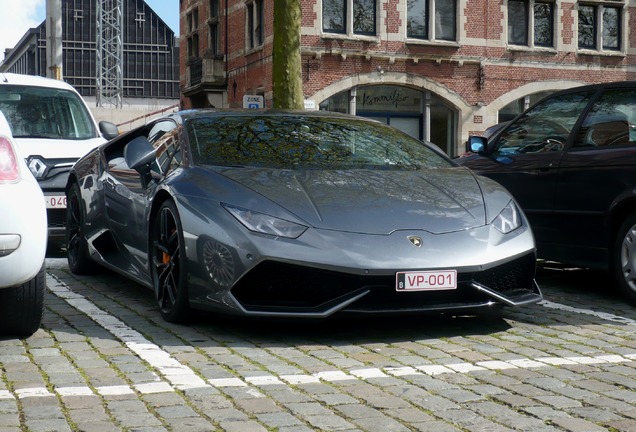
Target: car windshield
(41, 112)
(306, 142)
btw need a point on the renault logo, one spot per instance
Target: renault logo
(417, 241)
(37, 167)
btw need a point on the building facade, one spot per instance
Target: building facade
(438, 69)
(150, 68)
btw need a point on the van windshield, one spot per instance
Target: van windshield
(40, 112)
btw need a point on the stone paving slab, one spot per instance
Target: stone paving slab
(104, 360)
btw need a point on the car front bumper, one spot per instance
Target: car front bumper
(326, 272)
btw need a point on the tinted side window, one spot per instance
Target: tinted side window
(164, 136)
(545, 127)
(611, 122)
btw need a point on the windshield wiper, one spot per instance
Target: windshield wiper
(34, 136)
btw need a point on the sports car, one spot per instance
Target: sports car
(296, 214)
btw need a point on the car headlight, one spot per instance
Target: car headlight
(509, 219)
(265, 224)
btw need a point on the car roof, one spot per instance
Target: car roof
(216, 112)
(32, 80)
(578, 88)
(586, 87)
(593, 87)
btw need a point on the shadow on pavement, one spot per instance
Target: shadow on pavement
(574, 288)
(560, 281)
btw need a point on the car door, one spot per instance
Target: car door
(597, 171)
(525, 156)
(128, 198)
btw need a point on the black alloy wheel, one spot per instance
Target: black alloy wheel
(169, 274)
(79, 260)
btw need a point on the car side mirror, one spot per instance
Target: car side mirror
(140, 155)
(109, 130)
(477, 144)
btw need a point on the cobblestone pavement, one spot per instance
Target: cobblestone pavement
(104, 360)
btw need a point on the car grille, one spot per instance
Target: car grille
(280, 287)
(509, 276)
(56, 218)
(272, 284)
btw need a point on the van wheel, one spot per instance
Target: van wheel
(624, 258)
(22, 307)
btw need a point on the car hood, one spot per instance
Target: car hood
(372, 202)
(56, 148)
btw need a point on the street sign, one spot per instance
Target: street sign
(253, 101)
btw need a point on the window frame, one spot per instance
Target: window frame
(431, 23)
(530, 22)
(192, 33)
(598, 26)
(347, 10)
(373, 15)
(254, 24)
(214, 28)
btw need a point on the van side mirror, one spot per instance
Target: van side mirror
(477, 144)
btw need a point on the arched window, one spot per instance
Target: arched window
(421, 114)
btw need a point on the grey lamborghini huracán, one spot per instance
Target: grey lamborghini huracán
(296, 214)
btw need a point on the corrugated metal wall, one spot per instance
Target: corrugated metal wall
(151, 52)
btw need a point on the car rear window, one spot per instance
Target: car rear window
(305, 142)
(611, 121)
(41, 112)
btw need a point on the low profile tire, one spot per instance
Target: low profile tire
(168, 261)
(79, 260)
(22, 307)
(624, 258)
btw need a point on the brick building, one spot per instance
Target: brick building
(437, 69)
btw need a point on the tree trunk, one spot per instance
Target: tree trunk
(286, 62)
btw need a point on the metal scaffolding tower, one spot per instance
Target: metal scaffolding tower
(92, 37)
(110, 53)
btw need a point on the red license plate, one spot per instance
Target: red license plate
(426, 280)
(55, 201)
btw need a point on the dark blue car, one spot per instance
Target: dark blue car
(570, 161)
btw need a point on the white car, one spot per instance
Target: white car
(23, 241)
(52, 128)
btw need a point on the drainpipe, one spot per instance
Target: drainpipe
(225, 56)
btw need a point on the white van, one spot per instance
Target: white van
(52, 128)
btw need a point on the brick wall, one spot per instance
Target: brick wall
(474, 75)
